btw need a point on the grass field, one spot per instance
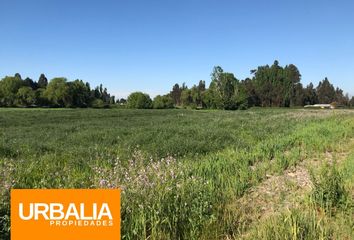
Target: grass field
(255, 174)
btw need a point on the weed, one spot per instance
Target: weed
(329, 191)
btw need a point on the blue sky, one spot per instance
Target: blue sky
(150, 45)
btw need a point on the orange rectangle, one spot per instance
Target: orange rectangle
(65, 214)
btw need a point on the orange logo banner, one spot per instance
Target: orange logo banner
(64, 214)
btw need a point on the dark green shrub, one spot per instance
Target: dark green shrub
(139, 100)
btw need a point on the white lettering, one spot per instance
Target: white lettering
(56, 211)
(22, 216)
(105, 212)
(72, 211)
(56, 208)
(41, 209)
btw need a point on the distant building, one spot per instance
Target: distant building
(325, 106)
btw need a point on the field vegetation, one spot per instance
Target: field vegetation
(184, 174)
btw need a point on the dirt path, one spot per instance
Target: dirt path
(280, 192)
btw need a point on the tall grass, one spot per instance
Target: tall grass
(161, 199)
(178, 170)
(328, 213)
(294, 225)
(329, 192)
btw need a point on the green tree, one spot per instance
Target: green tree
(351, 102)
(30, 83)
(240, 97)
(26, 96)
(277, 86)
(139, 100)
(176, 94)
(197, 94)
(18, 76)
(8, 90)
(228, 88)
(326, 92)
(212, 97)
(310, 95)
(263, 85)
(187, 98)
(79, 93)
(106, 97)
(40, 97)
(225, 90)
(57, 93)
(250, 91)
(163, 102)
(341, 98)
(293, 90)
(122, 101)
(112, 100)
(42, 81)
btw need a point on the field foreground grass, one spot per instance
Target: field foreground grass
(264, 173)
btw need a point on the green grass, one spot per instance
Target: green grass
(178, 168)
(326, 213)
(156, 132)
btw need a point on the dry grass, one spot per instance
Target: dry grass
(278, 194)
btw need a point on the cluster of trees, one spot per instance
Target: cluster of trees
(276, 86)
(270, 86)
(141, 100)
(59, 92)
(225, 92)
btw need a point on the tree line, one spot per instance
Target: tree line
(59, 92)
(270, 86)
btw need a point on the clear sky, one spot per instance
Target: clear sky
(149, 45)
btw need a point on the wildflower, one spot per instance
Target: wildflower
(103, 182)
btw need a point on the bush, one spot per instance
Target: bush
(139, 100)
(162, 102)
(98, 103)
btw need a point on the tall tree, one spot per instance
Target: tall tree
(176, 94)
(18, 76)
(79, 93)
(351, 102)
(226, 91)
(8, 90)
(30, 83)
(197, 93)
(341, 98)
(57, 93)
(26, 96)
(214, 95)
(250, 91)
(298, 98)
(187, 98)
(293, 88)
(201, 86)
(42, 81)
(326, 92)
(263, 85)
(310, 95)
(277, 86)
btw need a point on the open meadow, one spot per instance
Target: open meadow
(192, 174)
